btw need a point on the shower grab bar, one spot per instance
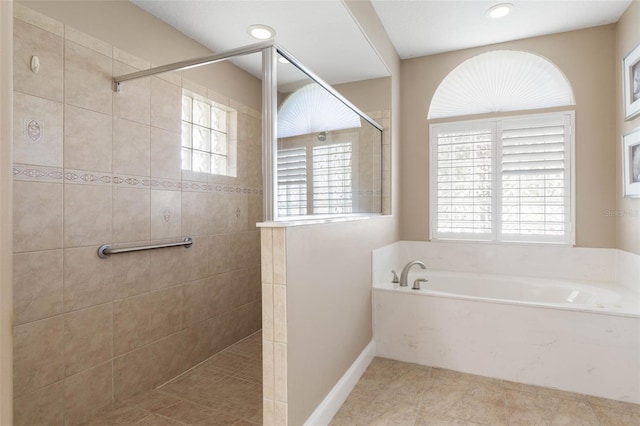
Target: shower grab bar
(106, 250)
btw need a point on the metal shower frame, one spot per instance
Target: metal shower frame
(270, 50)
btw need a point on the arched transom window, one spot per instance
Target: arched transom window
(503, 179)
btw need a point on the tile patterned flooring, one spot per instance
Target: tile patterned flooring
(225, 390)
(397, 393)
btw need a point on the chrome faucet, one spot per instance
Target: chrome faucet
(405, 271)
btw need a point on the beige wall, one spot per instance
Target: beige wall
(6, 229)
(107, 169)
(368, 95)
(587, 57)
(627, 209)
(327, 281)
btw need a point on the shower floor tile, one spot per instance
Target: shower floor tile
(225, 390)
(398, 393)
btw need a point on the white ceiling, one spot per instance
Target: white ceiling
(320, 34)
(324, 37)
(422, 27)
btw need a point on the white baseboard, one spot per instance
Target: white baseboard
(334, 400)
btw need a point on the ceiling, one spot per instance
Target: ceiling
(323, 35)
(419, 28)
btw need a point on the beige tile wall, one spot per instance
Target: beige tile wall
(105, 168)
(274, 326)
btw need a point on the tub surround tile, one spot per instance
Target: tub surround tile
(87, 392)
(37, 130)
(166, 268)
(87, 278)
(88, 337)
(31, 41)
(87, 140)
(237, 213)
(44, 406)
(197, 342)
(87, 78)
(37, 355)
(87, 215)
(37, 216)
(38, 285)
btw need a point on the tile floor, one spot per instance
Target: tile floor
(224, 390)
(398, 393)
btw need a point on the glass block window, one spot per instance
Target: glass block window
(206, 143)
(507, 179)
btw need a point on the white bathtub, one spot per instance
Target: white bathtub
(575, 335)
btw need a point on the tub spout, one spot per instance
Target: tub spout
(405, 271)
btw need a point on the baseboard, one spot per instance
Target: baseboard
(334, 400)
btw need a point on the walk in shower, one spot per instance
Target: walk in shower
(133, 156)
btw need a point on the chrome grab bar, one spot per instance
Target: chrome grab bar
(106, 250)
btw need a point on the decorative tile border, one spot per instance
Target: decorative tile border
(25, 172)
(37, 173)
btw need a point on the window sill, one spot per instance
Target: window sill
(319, 219)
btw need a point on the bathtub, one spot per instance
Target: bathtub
(575, 335)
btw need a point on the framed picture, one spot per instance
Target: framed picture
(631, 79)
(631, 164)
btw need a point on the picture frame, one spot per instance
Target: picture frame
(631, 164)
(631, 83)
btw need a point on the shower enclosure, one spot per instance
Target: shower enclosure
(153, 156)
(322, 156)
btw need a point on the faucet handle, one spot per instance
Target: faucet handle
(416, 283)
(395, 280)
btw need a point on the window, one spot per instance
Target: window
(317, 180)
(207, 130)
(504, 179)
(292, 182)
(332, 184)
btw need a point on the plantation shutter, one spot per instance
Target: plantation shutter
(464, 181)
(503, 179)
(332, 179)
(535, 164)
(292, 182)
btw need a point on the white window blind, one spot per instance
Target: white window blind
(292, 182)
(535, 178)
(465, 181)
(332, 179)
(503, 179)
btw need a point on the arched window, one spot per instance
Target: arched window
(501, 81)
(503, 179)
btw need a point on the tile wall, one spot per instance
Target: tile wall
(92, 166)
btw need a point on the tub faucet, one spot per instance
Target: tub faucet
(405, 271)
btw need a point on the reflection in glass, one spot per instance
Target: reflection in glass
(329, 159)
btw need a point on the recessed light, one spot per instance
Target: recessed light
(283, 60)
(261, 32)
(499, 10)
